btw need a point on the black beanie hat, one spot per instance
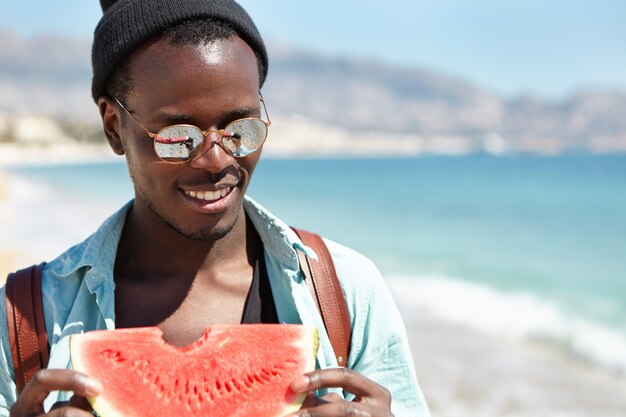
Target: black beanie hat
(127, 24)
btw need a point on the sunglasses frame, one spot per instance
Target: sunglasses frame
(205, 133)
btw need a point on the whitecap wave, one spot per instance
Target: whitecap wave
(515, 315)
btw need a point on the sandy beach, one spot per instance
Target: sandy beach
(9, 259)
(466, 373)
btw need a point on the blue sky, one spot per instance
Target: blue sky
(547, 47)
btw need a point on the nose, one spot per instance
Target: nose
(212, 156)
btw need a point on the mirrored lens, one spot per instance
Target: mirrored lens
(177, 143)
(248, 136)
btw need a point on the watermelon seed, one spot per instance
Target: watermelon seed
(205, 385)
(140, 364)
(115, 355)
(211, 396)
(265, 375)
(228, 387)
(206, 391)
(236, 384)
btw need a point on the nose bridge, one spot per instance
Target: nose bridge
(212, 136)
(212, 156)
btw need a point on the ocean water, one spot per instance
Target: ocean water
(528, 248)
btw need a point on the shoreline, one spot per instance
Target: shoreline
(463, 371)
(13, 154)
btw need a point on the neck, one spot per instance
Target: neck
(151, 249)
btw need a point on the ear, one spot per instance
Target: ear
(112, 123)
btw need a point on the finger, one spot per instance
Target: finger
(68, 407)
(69, 412)
(59, 404)
(312, 400)
(338, 409)
(333, 397)
(47, 380)
(75, 401)
(80, 402)
(344, 378)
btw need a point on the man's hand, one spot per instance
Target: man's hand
(372, 400)
(30, 401)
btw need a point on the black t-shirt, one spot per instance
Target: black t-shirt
(259, 306)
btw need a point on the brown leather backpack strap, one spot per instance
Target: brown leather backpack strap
(26, 324)
(322, 280)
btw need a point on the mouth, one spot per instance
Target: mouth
(210, 201)
(209, 195)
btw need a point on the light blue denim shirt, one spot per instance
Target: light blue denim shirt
(78, 291)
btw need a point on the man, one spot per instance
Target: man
(191, 250)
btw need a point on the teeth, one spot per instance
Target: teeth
(211, 195)
(208, 195)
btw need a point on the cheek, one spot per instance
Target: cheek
(138, 147)
(141, 158)
(252, 161)
(147, 171)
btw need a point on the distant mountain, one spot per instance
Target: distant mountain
(45, 74)
(52, 75)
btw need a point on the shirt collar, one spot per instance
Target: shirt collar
(97, 253)
(278, 238)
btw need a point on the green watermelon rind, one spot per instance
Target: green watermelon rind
(101, 406)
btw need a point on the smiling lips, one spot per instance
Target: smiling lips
(209, 195)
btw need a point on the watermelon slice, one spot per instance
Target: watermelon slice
(239, 370)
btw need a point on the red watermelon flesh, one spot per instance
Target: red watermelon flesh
(237, 370)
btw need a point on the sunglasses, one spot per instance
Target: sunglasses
(177, 144)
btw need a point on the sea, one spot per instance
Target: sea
(529, 248)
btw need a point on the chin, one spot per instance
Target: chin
(204, 235)
(198, 232)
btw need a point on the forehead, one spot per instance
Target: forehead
(161, 71)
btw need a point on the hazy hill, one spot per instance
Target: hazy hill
(51, 75)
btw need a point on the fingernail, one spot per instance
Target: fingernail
(93, 386)
(300, 384)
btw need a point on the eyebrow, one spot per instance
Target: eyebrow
(181, 118)
(243, 112)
